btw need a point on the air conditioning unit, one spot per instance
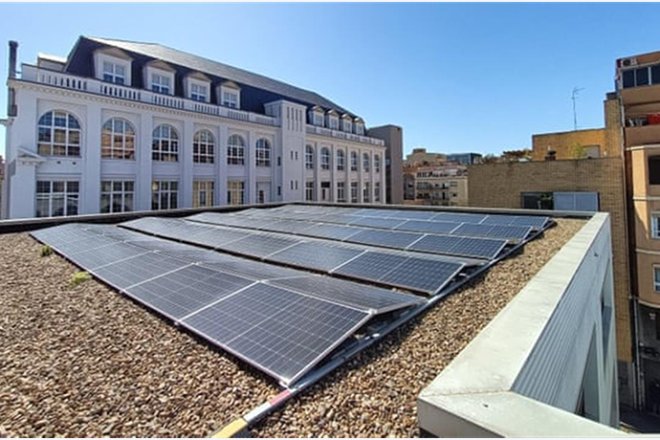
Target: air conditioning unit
(627, 62)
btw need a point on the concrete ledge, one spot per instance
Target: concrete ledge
(481, 393)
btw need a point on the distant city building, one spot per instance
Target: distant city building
(120, 126)
(436, 178)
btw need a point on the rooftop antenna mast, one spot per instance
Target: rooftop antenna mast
(574, 97)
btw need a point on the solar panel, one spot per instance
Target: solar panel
(493, 231)
(375, 222)
(291, 226)
(61, 234)
(342, 219)
(190, 232)
(253, 270)
(428, 226)
(371, 265)
(422, 274)
(391, 239)
(261, 245)
(411, 215)
(278, 331)
(364, 297)
(334, 232)
(462, 246)
(139, 269)
(536, 222)
(179, 293)
(112, 253)
(458, 217)
(315, 255)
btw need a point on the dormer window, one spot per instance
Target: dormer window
(112, 65)
(198, 92)
(161, 84)
(229, 95)
(114, 72)
(318, 119)
(359, 126)
(316, 116)
(346, 124)
(333, 120)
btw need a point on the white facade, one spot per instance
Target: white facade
(282, 133)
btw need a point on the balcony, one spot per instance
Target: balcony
(643, 135)
(95, 86)
(313, 129)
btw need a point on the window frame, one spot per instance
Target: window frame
(112, 76)
(123, 193)
(355, 192)
(341, 192)
(377, 197)
(366, 192)
(110, 135)
(158, 86)
(325, 158)
(236, 151)
(656, 281)
(309, 190)
(355, 161)
(366, 162)
(206, 188)
(309, 157)
(235, 192)
(340, 160)
(655, 225)
(164, 187)
(203, 149)
(202, 92)
(70, 129)
(66, 195)
(165, 149)
(377, 163)
(262, 152)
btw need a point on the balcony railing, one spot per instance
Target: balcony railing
(91, 85)
(313, 129)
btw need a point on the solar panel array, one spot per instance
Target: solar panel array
(307, 253)
(264, 309)
(280, 320)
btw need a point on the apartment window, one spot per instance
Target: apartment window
(325, 158)
(235, 192)
(654, 170)
(309, 190)
(359, 129)
(354, 192)
(366, 192)
(365, 162)
(641, 76)
(656, 279)
(56, 198)
(377, 192)
(354, 161)
(165, 144)
(341, 160)
(230, 99)
(347, 125)
(263, 153)
(333, 123)
(161, 84)
(117, 139)
(203, 193)
(341, 192)
(198, 92)
(114, 73)
(309, 157)
(164, 194)
(655, 226)
(59, 134)
(377, 163)
(203, 147)
(235, 150)
(117, 195)
(318, 119)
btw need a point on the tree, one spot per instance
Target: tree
(517, 155)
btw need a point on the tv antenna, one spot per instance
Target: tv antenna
(574, 97)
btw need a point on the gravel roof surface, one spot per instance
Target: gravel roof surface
(85, 361)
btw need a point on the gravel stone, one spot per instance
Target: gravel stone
(85, 361)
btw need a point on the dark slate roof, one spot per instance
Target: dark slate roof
(242, 77)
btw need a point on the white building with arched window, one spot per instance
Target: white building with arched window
(121, 126)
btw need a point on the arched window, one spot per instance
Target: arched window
(309, 157)
(235, 150)
(59, 134)
(325, 158)
(165, 144)
(377, 163)
(263, 153)
(354, 161)
(117, 139)
(203, 147)
(341, 160)
(365, 162)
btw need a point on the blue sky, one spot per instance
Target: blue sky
(457, 77)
